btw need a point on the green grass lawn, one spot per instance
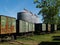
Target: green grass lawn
(32, 40)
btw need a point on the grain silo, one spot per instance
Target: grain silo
(27, 16)
(36, 19)
(24, 16)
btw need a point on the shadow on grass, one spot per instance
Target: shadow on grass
(56, 38)
(49, 43)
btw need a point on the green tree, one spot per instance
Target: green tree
(49, 10)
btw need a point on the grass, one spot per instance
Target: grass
(5, 43)
(40, 38)
(30, 40)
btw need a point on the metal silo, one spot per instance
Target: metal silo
(37, 19)
(33, 18)
(25, 16)
(28, 16)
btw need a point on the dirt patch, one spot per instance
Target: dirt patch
(15, 42)
(22, 43)
(31, 43)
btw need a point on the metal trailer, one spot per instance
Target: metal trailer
(19, 27)
(45, 28)
(53, 27)
(37, 29)
(7, 27)
(24, 28)
(31, 28)
(40, 28)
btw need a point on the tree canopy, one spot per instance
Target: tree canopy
(49, 9)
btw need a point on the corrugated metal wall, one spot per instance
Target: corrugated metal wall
(3, 23)
(13, 27)
(33, 27)
(20, 26)
(23, 26)
(43, 27)
(8, 24)
(40, 27)
(30, 27)
(27, 26)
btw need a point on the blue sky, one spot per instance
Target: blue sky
(11, 7)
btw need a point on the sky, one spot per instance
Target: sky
(12, 7)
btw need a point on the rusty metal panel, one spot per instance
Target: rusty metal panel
(3, 25)
(13, 25)
(8, 25)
